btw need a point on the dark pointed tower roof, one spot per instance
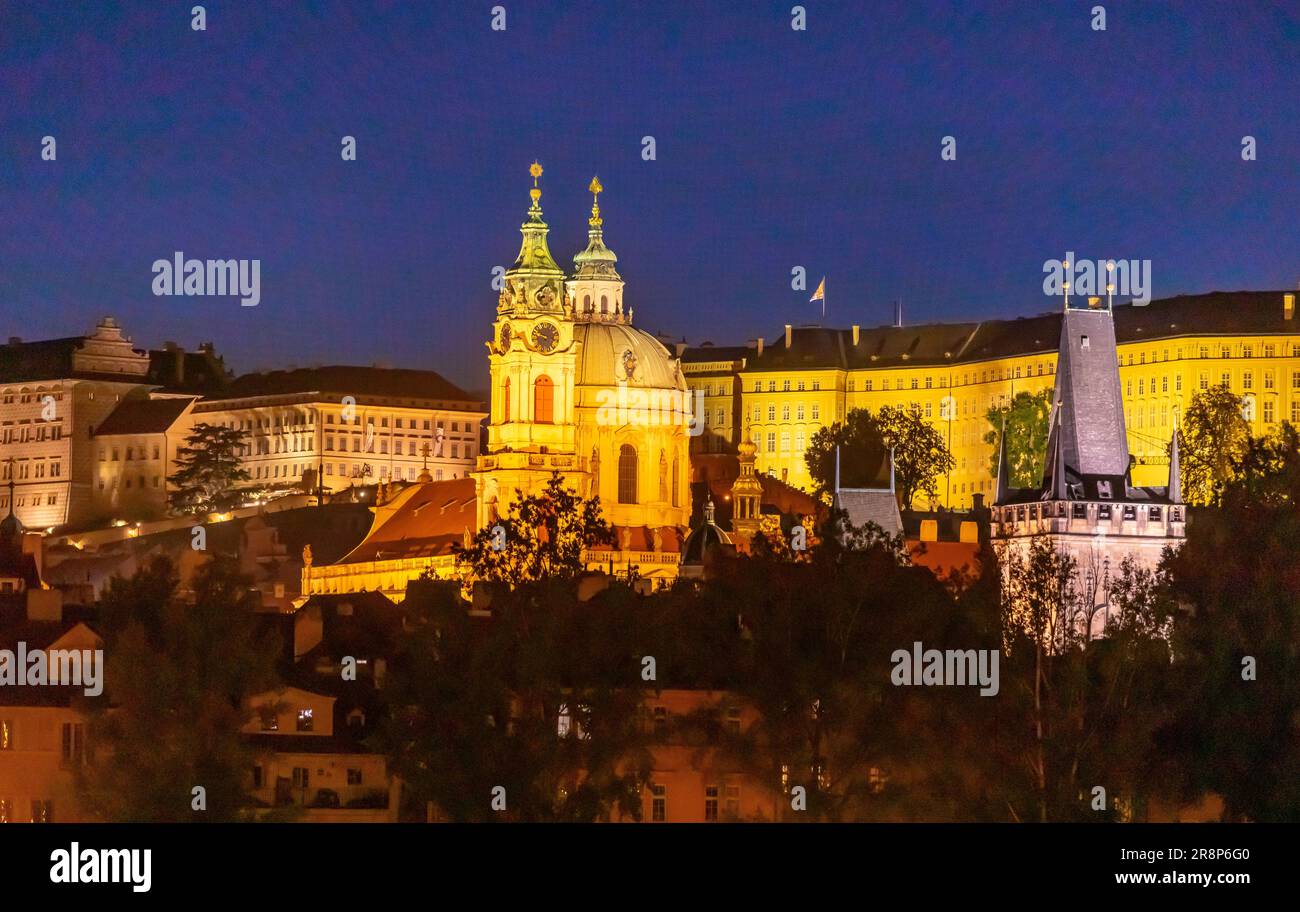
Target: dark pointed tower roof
(1088, 413)
(1004, 472)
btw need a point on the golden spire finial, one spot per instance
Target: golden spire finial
(595, 188)
(535, 170)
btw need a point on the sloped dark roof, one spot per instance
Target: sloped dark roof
(46, 360)
(1212, 313)
(143, 416)
(709, 352)
(870, 505)
(344, 380)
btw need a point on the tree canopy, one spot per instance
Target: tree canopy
(209, 467)
(864, 440)
(1026, 421)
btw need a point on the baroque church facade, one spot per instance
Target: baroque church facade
(578, 389)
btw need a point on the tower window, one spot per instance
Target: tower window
(543, 400)
(1083, 343)
(604, 304)
(627, 474)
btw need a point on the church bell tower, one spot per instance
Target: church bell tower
(533, 360)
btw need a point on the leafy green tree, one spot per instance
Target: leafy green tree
(1235, 645)
(209, 467)
(1212, 438)
(862, 452)
(1026, 419)
(543, 536)
(179, 673)
(921, 455)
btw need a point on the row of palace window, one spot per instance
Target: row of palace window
(21, 500)
(132, 453)
(800, 442)
(26, 433)
(33, 468)
(126, 482)
(26, 396)
(411, 447)
(785, 386)
(816, 412)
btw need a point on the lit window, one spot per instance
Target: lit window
(627, 468)
(305, 720)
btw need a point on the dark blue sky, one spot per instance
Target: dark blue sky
(775, 148)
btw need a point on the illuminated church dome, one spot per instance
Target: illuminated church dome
(619, 353)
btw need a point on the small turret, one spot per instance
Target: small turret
(596, 286)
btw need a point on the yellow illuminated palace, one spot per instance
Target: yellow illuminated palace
(783, 390)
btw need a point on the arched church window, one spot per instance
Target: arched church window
(663, 477)
(604, 304)
(505, 400)
(676, 484)
(627, 474)
(543, 400)
(586, 303)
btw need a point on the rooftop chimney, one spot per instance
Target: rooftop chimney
(760, 346)
(857, 332)
(1288, 306)
(789, 334)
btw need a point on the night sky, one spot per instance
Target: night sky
(775, 148)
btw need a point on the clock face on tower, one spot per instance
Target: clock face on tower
(506, 335)
(545, 337)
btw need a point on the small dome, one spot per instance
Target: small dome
(616, 353)
(747, 447)
(705, 539)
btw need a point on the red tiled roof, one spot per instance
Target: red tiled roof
(432, 518)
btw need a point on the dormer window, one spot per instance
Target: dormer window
(1084, 344)
(1103, 490)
